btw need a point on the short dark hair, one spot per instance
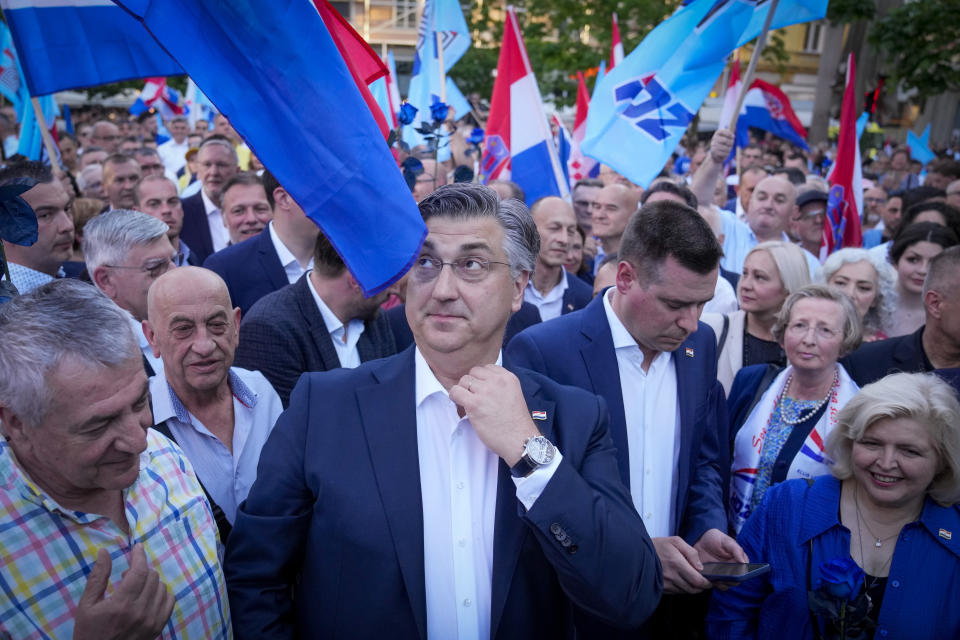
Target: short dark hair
(25, 169)
(946, 167)
(667, 228)
(668, 186)
(920, 232)
(588, 182)
(244, 177)
(120, 158)
(270, 184)
(794, 175)
(516, 192)
(920, 194)
(146, 115)
(942, 272)
(950, 214)
(326, 261)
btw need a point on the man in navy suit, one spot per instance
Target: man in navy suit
(437, 494)
(550, 288)
(638, 346)
(276, 257)
(203, 228)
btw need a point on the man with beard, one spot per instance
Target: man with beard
(320, 322)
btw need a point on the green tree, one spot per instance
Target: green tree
(555, 32)
(921, 41)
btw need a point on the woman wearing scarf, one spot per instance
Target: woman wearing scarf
(780, 418)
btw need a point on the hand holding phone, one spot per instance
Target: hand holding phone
(733, 571)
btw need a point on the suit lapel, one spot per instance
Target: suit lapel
(389, 420)
(686, 364)
(600, 360)
(317, 327)
(269, 261)
(509, 530)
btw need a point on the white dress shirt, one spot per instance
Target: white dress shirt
(458, 487)
(218, 231)
(344, 338)
(289, 261)
(652, 415)
(550, 305)
(137, 327)
(226, 473)
(173, 155)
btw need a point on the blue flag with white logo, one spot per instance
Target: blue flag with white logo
(306, 121)
(642, 107)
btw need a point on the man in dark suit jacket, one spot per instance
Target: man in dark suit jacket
(551, 288)
(435, 493)
(936, 345)
(668, 269)
(276, 257)
(285, 335)
(203, 233)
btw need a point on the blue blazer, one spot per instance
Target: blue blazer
(196, 231)
(337, 511)
(919, 602)
(251, 270)
(577, 295)
(577, 349)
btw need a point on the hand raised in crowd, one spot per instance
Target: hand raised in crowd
(720, 145)
(492, 399)
(139, 607)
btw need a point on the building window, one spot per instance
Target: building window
(813, 40)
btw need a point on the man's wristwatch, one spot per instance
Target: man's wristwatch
(537, 452)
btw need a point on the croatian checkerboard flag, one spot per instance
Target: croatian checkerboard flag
(580, 166)
(767, 107)
(518, 144)
(157, 95)
(642, 108)
(844, 204)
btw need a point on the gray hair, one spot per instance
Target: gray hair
(38, 330)
(922, 397)
(109, 237)
(880, 312)
(221, 142)
(463, 200)
(852, 332)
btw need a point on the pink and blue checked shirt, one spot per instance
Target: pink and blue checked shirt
(47, 552)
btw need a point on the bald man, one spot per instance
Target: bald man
(220, 415)
(550, 289)
(610, 211)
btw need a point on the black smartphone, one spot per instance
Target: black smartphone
(733, 571)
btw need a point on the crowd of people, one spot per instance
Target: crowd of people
(547, 428)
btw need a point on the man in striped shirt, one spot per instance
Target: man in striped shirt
(104, 530)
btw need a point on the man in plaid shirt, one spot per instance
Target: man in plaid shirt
(104, 529)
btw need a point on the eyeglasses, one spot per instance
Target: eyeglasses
(799, 329)
(468, 269)
(153, 268)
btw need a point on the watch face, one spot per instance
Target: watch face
(540, 450)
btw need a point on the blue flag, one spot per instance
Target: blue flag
(12, 86)
(306, 121)
(643, 106)
(442, 21)
(69, 44)
(920, 146)
(31, 138)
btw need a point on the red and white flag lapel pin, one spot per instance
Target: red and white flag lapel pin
(688, 352)
(538, 415)
(946, 535)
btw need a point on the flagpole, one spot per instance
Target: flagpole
(443, 73)
(754, 59)
(47, 138)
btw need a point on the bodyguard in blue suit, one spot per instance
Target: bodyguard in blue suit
(435, 493)
(639, 346)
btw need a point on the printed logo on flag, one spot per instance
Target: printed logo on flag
(495, 154)
(837, 213)
(650, 102)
